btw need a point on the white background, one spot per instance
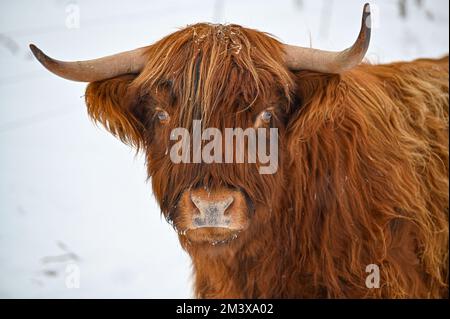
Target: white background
(68, 186)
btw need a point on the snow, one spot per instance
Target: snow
(71, 194)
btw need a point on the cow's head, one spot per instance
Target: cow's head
(227, 77)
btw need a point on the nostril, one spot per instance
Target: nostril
(197, 201)
(223, 205)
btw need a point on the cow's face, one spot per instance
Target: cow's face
(210, 78)
(214, 83)
(214, 202)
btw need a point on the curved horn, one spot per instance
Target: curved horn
(94, 70)
(298, 58)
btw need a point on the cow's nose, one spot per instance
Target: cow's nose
(211, 212)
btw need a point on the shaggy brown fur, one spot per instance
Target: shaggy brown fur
(363, 176)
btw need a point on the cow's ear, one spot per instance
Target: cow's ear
(111, 102)
(310, 88)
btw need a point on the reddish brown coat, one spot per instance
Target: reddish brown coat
(363, 175)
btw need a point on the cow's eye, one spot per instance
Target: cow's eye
(162, 115)
(266, 116)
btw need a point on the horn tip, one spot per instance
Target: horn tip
(367, 17)
(34, 49)
(367, 11)
(40, 56)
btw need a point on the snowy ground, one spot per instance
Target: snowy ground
(70, 194)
